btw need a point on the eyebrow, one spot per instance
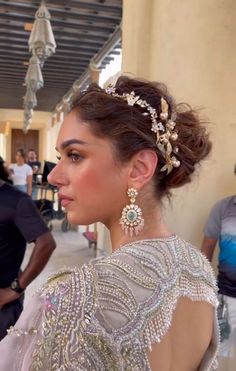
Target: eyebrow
(68, 142)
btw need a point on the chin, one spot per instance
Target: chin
(76, 219)
(72, 219)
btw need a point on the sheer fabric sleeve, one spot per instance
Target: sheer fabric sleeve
(38, 339)
(17, 347)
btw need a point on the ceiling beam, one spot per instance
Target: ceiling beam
(60, 47)
(60, 32)
(49, 86)
(12, 75)
(66, 55)
(14, 42)
(65, 62)
(111, 7)
(50, 76)
(103, 29)
(59, 13)
(50, 79)
(53, 68)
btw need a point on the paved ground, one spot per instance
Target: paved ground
(72, 250)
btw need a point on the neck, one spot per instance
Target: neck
(154, 227)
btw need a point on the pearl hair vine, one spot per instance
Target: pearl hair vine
(163, 125)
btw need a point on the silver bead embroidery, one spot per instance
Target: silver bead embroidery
(105, 316)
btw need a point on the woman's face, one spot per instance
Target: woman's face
(92, 186)
(19, 158)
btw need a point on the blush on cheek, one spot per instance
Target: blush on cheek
(90, 182)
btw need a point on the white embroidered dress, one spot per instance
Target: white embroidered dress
(106, 315)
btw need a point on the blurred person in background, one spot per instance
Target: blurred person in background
(21, 173)
(20, 222)
(221, 228)
(36, 168)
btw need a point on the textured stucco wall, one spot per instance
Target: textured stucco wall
(190, 45)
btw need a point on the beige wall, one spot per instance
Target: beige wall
(42, 122)
(190, 46)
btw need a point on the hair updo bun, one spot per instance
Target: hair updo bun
(130, 130)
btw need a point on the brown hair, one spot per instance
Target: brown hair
(130, 130)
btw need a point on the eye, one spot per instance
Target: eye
(75, 157)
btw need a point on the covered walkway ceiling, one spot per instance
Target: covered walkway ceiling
(80, 27)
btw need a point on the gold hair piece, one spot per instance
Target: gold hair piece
(164, 129)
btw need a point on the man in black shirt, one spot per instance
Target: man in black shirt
(20, 222)
(35, 165)
(32, 161)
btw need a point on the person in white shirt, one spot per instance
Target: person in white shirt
(21, 173)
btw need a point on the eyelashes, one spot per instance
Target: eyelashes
(74, 157)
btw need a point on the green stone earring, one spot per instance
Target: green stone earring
(131, 219)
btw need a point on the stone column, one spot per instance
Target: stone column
(136, 28)
(94, 73)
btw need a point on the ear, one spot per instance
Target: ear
(142, 168)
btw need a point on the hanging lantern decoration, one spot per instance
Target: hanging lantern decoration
(34, 77)
(26, 125)
(42, 45)
(41, 41)
(28, 114)
(30, 99)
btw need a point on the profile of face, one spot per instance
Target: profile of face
(92, 185)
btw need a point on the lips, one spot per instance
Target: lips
(65, 201)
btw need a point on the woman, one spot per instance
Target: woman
(21, 173)
(151, 304)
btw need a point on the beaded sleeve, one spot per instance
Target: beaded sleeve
(142, 283)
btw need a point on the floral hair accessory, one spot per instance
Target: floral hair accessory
(163, 125)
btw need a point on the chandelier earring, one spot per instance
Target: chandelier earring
(131, 219)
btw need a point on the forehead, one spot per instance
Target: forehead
(74, 128)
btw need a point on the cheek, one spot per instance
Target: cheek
(89, 182)
(96, 183)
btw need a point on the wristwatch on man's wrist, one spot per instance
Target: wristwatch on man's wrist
(15, 286)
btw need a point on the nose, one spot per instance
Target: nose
(56, 177)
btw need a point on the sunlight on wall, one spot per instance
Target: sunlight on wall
(3, 146)
(111, 69)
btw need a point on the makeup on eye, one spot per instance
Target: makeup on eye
(74, 156)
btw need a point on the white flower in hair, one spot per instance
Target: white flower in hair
(132, 98)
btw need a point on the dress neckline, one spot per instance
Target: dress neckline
(171, 238)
